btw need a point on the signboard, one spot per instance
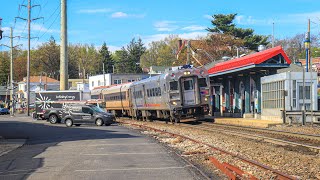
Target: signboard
(55, 99)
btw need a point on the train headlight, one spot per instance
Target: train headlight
(186, 72)
(205, 99)
(174, 103)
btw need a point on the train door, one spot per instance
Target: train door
(189, 94)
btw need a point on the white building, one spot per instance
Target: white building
(273, 88)
(37, 83)
(110, 79)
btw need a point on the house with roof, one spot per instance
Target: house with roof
(236, 83)
(261, 85)
(37, 83)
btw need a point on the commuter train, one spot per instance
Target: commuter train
(174, 95)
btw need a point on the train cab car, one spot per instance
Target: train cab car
(176, 94)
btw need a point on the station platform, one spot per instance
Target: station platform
(247, 122)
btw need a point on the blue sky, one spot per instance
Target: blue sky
(118, 21)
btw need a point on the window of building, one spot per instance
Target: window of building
(272, 94)
(307, 91)
(294, 93)
(117, 81)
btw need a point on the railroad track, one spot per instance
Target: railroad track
(280, 175)
(314, 145)
(309, 141)
(270, 131)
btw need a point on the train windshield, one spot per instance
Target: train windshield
(188, 85)
(174, 85)
(202, 82)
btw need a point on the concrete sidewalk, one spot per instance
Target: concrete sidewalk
(8, 145)
(87, 152)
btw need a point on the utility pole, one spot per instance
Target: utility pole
(12, 109)
(307, 46)
(188, 52)
(63, 47)
(0, 29)
(104, 75)
(29, 20)
(272, 34)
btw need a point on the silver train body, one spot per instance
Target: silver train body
(176, 94)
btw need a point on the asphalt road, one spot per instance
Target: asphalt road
(86, 152)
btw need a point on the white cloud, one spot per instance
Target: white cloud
(207, 16)
(302, 17)
(94, 11)
(114, 48)
(125, 15)
(194, 28)
(41, 28)
(119, 15)
(165, 26)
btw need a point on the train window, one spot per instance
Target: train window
(202, 82)
(159, 91)
(156, 92)
(153, 92)
(188, 85)
(148, 92)
(174, 85)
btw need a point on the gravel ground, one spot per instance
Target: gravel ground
(298, 128)
(293, 161)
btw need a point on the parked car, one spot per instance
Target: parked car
(85, 114)
(53, 115)
(4, 111)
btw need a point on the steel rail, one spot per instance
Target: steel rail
(281, 175)
(314, 148)
(286, 133)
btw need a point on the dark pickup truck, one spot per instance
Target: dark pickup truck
(53, 115)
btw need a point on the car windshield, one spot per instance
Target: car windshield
(97, 109)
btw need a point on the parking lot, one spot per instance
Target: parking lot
(86, 152)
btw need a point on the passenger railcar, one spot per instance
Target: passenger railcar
(174, 95)
(117, 99)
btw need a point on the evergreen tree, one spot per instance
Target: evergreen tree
(121, 61)
(135, 50)
(223, 24)
(106, 58)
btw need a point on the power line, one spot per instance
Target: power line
(54, 12)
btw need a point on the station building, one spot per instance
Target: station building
(236, 83)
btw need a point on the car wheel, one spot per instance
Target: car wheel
(53, 119)
(69, 122)
(99, 122)
(77, 124)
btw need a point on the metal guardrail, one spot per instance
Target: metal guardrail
(302, 114)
